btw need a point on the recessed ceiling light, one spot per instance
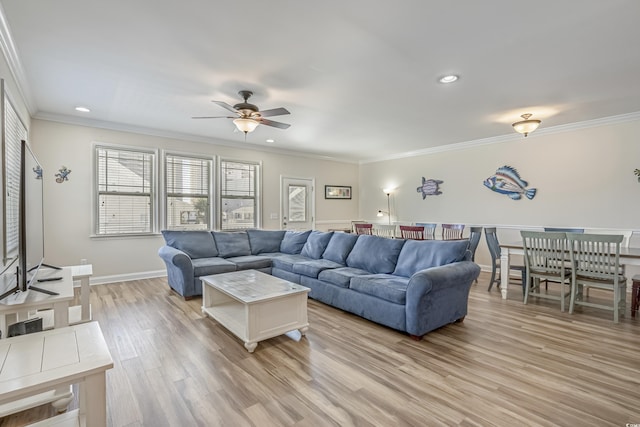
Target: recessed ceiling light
(271, 141)
(448, 79)
(83, 109)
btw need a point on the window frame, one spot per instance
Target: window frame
(165, 194)
(257, 197)
(153, 188)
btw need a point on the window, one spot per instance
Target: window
(238, 195)
(14, 132)
(187, 192)
(125, 192)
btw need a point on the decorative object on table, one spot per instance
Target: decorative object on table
(507, 181)
(637, 173)
(337, 192)
(527, 125)
(429, 187)
(38, 171)
(62, 175)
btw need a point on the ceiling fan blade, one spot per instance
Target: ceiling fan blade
(274, 112)
(226, 106)
(274, 124)
(213, 117)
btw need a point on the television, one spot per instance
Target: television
(31, 219)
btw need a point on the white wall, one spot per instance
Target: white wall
(584, 178)
(68, 206)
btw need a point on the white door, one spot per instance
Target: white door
(297, 203)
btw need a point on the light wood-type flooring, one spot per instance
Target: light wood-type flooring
(507, 364)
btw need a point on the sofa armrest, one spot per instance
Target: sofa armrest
(438, 296)
(179, 270)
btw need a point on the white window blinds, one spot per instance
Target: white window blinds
(125, 191)
(187, 192)
(238, 195)
(14, 132)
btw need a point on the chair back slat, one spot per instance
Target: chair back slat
(474, 240)
(452, 231)
(545, 252)
(383, 230)
(363, 228)
(596, 255)
(413, 232)
(429, 230)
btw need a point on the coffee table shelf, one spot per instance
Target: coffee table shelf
(255, 306)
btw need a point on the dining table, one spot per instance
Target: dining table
(628, 256)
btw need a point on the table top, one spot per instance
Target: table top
(44, 360)
(31, 298)
(629, 252)
(250, 286)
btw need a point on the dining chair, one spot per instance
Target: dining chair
(452, 231)
(596, 263)
(494, 251)
(474, 240)
(384, 230)
(429, 229)
(413, 232)
(363, 228)
(545, 259)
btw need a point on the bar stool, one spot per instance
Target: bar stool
(635, 295)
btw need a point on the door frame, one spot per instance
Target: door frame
(312, 197)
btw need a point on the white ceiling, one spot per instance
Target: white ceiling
(359, 77)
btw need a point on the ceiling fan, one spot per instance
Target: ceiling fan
(248, 115)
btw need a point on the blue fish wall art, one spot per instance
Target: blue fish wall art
(429, 187)
(507, 181)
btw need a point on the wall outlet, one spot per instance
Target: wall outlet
(273, 216)
(83, 261)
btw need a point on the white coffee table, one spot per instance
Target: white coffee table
(255, 306)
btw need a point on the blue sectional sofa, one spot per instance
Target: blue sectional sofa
(409, 285)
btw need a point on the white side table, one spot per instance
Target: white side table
(36, 363)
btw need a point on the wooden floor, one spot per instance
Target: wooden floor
(507, 364)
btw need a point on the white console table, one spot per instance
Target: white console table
(36, 363)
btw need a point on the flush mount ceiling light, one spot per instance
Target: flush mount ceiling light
(448, 79)
(526, 126)
(246, 125)
(83, 109)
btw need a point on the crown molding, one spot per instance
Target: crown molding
(622, 118)
(121, 127)
(15, 65)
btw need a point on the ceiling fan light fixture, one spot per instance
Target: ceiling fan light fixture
(527, 125)
(246, 125)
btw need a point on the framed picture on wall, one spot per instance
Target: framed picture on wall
(337, 192)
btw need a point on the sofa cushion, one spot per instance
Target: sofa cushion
(249, 262)
(313, 268)
(384, 286)
(286, 262)
(293, 241)
(375, 254)
(196, 244)
(262, 241)
(418, 255)
(232, 243)
(340, 276)
(316, 244)
(207, 266)
(339, 247)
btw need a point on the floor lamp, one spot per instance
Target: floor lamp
(388, 212)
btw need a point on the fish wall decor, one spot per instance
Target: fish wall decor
(507, 181)
(637, 173)
(429, 187)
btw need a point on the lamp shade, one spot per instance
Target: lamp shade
(246, 125)
(527, 125)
